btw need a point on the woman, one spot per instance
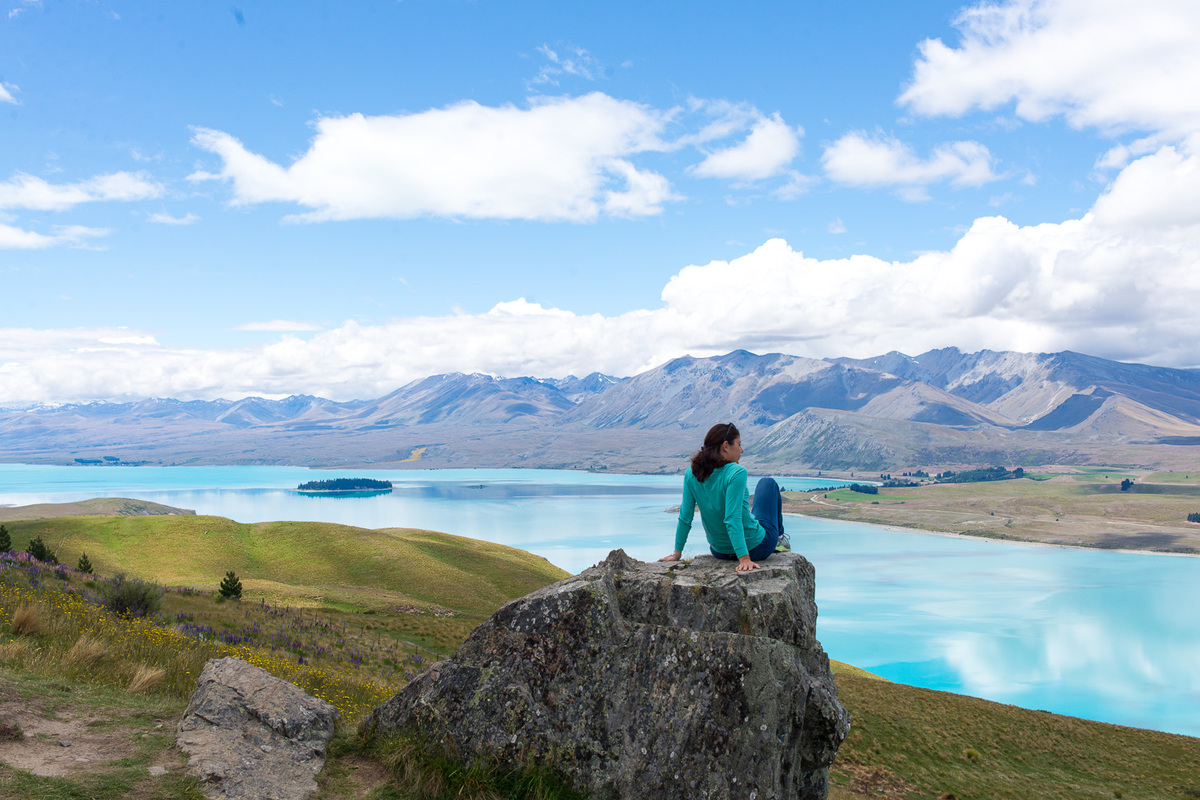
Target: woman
(716, 482)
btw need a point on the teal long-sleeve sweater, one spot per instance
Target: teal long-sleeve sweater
(724, 504)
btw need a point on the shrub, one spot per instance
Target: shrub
(5, 540)
(230, 586)
(27, 620)
(1126, 485)
(37, 548)
(84, 565)
(130, 596)
(1194, 516)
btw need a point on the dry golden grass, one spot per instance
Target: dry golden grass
(27, 619)
(86, 653)
(13, 650)
(146, 679)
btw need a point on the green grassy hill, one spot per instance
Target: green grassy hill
(300, 563)
(908, 742)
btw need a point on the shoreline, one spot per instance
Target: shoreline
(952, 535)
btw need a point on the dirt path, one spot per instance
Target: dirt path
(54, 739)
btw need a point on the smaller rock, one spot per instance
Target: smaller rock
(157, 771)
(249, 734)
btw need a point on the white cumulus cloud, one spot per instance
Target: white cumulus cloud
(767, 151)
(1109, 64)
(858, 159)
(557, 159)
(6, 90)
(1121, 281)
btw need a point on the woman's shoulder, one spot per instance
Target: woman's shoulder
(731, 471)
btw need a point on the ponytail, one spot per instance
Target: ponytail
(709, 457)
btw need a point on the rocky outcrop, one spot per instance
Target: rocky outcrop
(636, 680)
(251, 735)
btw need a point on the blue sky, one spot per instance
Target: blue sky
(210, 200)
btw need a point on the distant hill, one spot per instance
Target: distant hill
(97, 507)
(940, 408)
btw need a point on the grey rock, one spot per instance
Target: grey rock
(635, 680)
(251, 735)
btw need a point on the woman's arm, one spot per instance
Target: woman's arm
(687, 510)
(736, 500)
(735, 503)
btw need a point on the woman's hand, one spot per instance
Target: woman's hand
(673, 557)
(745, 565)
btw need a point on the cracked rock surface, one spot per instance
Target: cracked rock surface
(633, 680)
(251, 735)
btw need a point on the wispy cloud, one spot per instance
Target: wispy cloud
(566, 61)
(163, 218)
(6, 90)
(14, 238)
(30, 192)
(279, 326)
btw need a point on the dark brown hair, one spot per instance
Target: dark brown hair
(709, 457)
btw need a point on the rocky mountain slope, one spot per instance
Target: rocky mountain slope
(940, 408)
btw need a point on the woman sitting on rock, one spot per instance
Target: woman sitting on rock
(716, 482)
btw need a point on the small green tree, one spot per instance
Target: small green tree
(1126, 485)
(230, 586)
(84, 565)
(5, 540)
(37, 548)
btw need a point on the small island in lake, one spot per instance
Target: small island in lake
(355, 486)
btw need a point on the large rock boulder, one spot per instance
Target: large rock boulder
(633, 680)
(249, 734)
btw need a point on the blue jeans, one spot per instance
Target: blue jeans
(767, 508)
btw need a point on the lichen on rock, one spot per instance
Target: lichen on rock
(633, 679)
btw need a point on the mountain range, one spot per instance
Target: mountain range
(940, 409)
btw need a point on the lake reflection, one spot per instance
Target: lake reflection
(1102, 635)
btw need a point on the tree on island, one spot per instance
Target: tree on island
(344, 485)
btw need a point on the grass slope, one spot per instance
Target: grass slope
(303, 563)
(917, 743)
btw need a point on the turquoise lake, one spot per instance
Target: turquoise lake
(1103, 635)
